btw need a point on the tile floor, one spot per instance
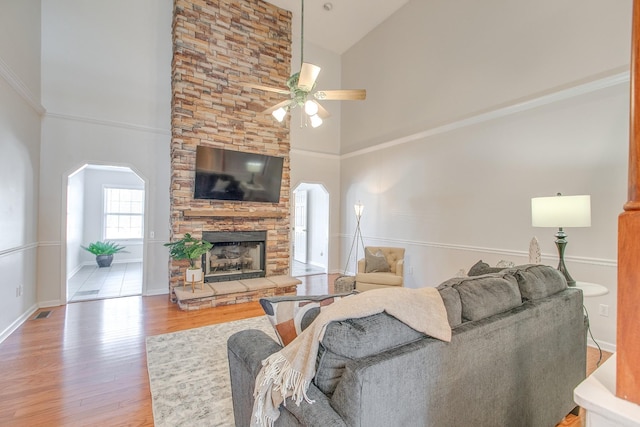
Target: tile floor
(302, 269)
(119, 280)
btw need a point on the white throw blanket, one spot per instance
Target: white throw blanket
(288, 372)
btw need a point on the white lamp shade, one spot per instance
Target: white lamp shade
(358, 208)
(254, 167)
(315, 121)
(310, 107)
(561, 211)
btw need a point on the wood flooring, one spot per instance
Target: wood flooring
(85, 364)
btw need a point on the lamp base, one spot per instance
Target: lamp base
(561, 243)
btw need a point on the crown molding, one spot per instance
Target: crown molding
(315, 154)
(109, 123)
(550, 98)
(21, 89)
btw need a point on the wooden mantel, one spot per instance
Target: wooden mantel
(628, 325)
(209, 213)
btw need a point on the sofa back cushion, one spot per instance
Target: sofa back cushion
(484, 296)
(538, 281)
(452, 303)
(354, 339)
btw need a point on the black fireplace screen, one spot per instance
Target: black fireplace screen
(235, 255)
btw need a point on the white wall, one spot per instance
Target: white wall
(465, 123)
(106, 86)
(315, 152)
(20, 111)
(75, 222)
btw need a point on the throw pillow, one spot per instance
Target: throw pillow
(290, 315)
(375, 263)
(480, 268)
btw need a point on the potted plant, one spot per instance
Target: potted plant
(104, 251)
(191, 249)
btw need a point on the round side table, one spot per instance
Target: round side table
(592, 289)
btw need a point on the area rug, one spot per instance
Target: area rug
(189, 374)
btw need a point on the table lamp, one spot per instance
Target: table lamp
(561, 211)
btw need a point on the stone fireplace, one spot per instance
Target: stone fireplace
(217, 46)
(235, 255)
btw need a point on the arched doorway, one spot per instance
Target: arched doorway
(310, 230)
(105, 203)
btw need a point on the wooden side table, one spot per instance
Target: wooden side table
(592, 289)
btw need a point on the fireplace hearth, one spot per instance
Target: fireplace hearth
(235, 255)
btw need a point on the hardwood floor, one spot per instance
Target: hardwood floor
(85, 365)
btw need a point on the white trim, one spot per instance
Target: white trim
(18, 322)
(52, 303)
(507, 252)
(154, 292)
(22, 248)
(21, 89)
(110, 123)
(315, 154)
(557, 96)
(605, 346)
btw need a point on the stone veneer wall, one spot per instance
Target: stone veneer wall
(217, 45)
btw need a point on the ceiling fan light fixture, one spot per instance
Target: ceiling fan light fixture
(310, 107)
(315, 121)
(279, 114)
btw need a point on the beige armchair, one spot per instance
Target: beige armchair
(378, 274)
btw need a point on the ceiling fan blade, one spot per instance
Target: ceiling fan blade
(275, 107)
(322, 112)
(308, 75)
(267, 88)
(341, 95)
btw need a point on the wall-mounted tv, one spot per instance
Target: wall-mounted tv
(234, 175)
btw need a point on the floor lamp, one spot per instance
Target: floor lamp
(359, 208)
(561, 211)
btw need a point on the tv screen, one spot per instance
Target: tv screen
(235, 175)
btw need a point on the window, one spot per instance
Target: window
(123, 210)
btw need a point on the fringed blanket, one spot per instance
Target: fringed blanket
(289, 372)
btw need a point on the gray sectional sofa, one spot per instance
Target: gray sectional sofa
(517, 352)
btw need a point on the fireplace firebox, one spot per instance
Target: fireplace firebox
(235, 255)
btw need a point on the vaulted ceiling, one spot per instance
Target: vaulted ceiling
(344, 24)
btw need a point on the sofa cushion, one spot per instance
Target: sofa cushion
(290, 315)
(375, 263)
(484, 296)
(539, 281)
(481, 267)
(354, 339)
(387, 279)
(452, 303)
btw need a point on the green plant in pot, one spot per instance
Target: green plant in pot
(189, 248)
(104, 251)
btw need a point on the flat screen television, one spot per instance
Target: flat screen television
(234, 175)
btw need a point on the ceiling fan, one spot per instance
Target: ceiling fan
(301, 88)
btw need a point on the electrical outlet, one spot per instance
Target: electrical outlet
(603, 310)
(152, 234)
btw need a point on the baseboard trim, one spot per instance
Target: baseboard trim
(18, 322)
(605, 346)
(154, 292)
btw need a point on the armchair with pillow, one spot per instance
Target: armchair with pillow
(381, 267)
